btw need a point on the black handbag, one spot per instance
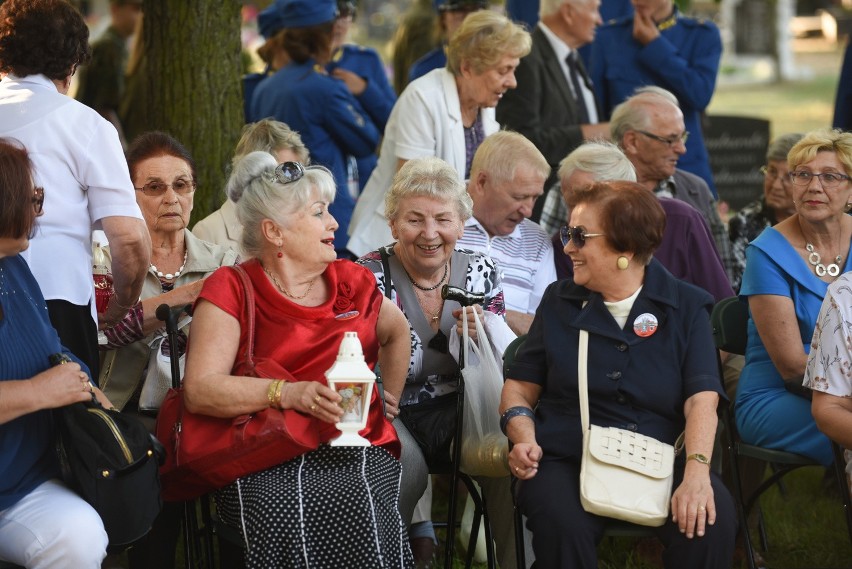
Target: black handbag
(111, 460)
(432, 423)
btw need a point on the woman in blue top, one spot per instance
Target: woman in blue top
(652, 369)
(788, 269)
(43, 524)
(332, 122)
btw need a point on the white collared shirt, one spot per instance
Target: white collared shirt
(78, 159)
(561, 49)
(524, 258)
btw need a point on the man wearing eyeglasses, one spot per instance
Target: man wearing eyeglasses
(659, 46)
(649, 128)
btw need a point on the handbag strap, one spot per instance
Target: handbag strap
(383, 252)
(583, 378)
(249, 308)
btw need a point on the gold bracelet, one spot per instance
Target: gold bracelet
(698, 457)
(274, 386)
(278, 389)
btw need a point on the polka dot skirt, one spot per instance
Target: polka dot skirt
(335, 507)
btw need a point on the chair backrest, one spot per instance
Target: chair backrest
(730, 325)
(510, 351)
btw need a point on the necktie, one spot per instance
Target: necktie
(574, 72)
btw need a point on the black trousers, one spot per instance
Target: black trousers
(77, 331)
(565, 536)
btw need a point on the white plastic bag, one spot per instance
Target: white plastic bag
(484, 448)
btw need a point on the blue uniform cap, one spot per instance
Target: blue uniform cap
(304, 13)
(454, 5)
(271, 19)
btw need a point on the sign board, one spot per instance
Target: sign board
(737, 148)
(754, 28)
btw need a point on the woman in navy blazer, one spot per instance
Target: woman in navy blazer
(652, 369)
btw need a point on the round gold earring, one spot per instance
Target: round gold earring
(622, 263)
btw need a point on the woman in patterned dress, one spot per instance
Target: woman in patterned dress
(426, 207)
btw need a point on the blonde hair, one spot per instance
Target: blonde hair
(483, 39)
(822, 140)
(270, 135)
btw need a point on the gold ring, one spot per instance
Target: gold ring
(317, 398)
(84, 387)
(313, 408)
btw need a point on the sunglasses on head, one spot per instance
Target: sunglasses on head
(288, 172)
(576, 235)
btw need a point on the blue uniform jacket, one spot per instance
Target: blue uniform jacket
(635, 383)
(331, 122)
(435, 59)
(843, 102)
(377, 99)
(684, 59)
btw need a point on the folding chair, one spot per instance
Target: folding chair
(730, 324)
(614, 528)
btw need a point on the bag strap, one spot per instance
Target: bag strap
(249, 308)
(383, 252)
(583, 378)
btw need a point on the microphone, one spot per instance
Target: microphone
(462, 296)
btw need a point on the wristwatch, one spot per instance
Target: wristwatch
(698, 457)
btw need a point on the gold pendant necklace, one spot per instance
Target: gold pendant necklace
(287, 292)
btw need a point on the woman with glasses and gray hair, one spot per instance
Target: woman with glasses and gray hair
(774, 206)
(333, 506)
(788, 270)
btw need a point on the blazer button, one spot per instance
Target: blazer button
(621, 347)
(632, 427)
(621, 399)
(614, 375)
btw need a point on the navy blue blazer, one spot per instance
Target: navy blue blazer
(635, 383)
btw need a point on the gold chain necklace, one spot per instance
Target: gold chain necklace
(433, 314)
(287, 292)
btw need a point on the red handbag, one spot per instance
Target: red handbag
(207, 453)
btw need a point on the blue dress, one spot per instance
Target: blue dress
(767, 414)
(332, 124)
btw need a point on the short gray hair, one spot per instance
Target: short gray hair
(603, 160)
(430, 177)
(780, 147)
(632, 114)
(501, 152)
(258, 196)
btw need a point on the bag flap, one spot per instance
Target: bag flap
(633, 451)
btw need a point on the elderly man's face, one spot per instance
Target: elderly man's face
(500, 205)
(585, 18)
(655, 159)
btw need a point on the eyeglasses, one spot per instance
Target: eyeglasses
(38, 200)
(156, 188)
(828, 180)
(671, 141)
(576, 235)
(288, 172)
(772, 174)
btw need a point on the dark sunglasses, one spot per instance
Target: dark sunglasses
(38, 200)
(288, 172)
(577, 235)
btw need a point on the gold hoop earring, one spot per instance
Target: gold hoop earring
(622, 263)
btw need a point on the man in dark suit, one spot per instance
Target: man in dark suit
(554, 103)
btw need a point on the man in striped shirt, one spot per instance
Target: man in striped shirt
(506, 176)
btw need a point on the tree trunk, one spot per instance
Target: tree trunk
(193, 83)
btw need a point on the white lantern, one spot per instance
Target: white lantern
(353, 380)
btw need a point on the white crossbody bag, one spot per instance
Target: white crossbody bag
(623, 475)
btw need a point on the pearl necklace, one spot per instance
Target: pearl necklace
(287, 292)
(428, 288)
(821, 270)
(170, 276)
